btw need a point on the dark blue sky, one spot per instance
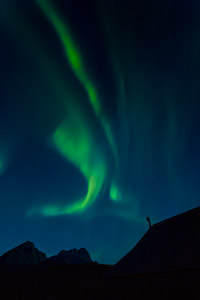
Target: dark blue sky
(99, 121)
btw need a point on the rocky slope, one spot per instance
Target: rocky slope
(73, 256)
(22, 255)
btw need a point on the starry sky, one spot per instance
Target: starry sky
(99, 121)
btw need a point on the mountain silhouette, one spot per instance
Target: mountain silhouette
(73, 256)
(172, 244)
(27, 254)
(22, 255)
(165, 264)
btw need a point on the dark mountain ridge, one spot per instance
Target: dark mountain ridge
(22, 255)
(73, 256)
(27, 254)
(172, 244)
(165, 264)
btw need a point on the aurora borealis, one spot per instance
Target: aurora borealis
(99, 121)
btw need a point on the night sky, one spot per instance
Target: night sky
(99, 121)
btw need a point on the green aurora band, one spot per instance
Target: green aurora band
(79, 151)
(74, 139)
(122, 108)
(76, 62)
(79, 148)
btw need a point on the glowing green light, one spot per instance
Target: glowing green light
(115, 195)
(79, 150)
(81, 205)
(73, 55)
(78, 207)
(74, 142)
(73, 139)
(76, 62)
(51, 211)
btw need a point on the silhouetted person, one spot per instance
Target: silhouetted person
(149, 221)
